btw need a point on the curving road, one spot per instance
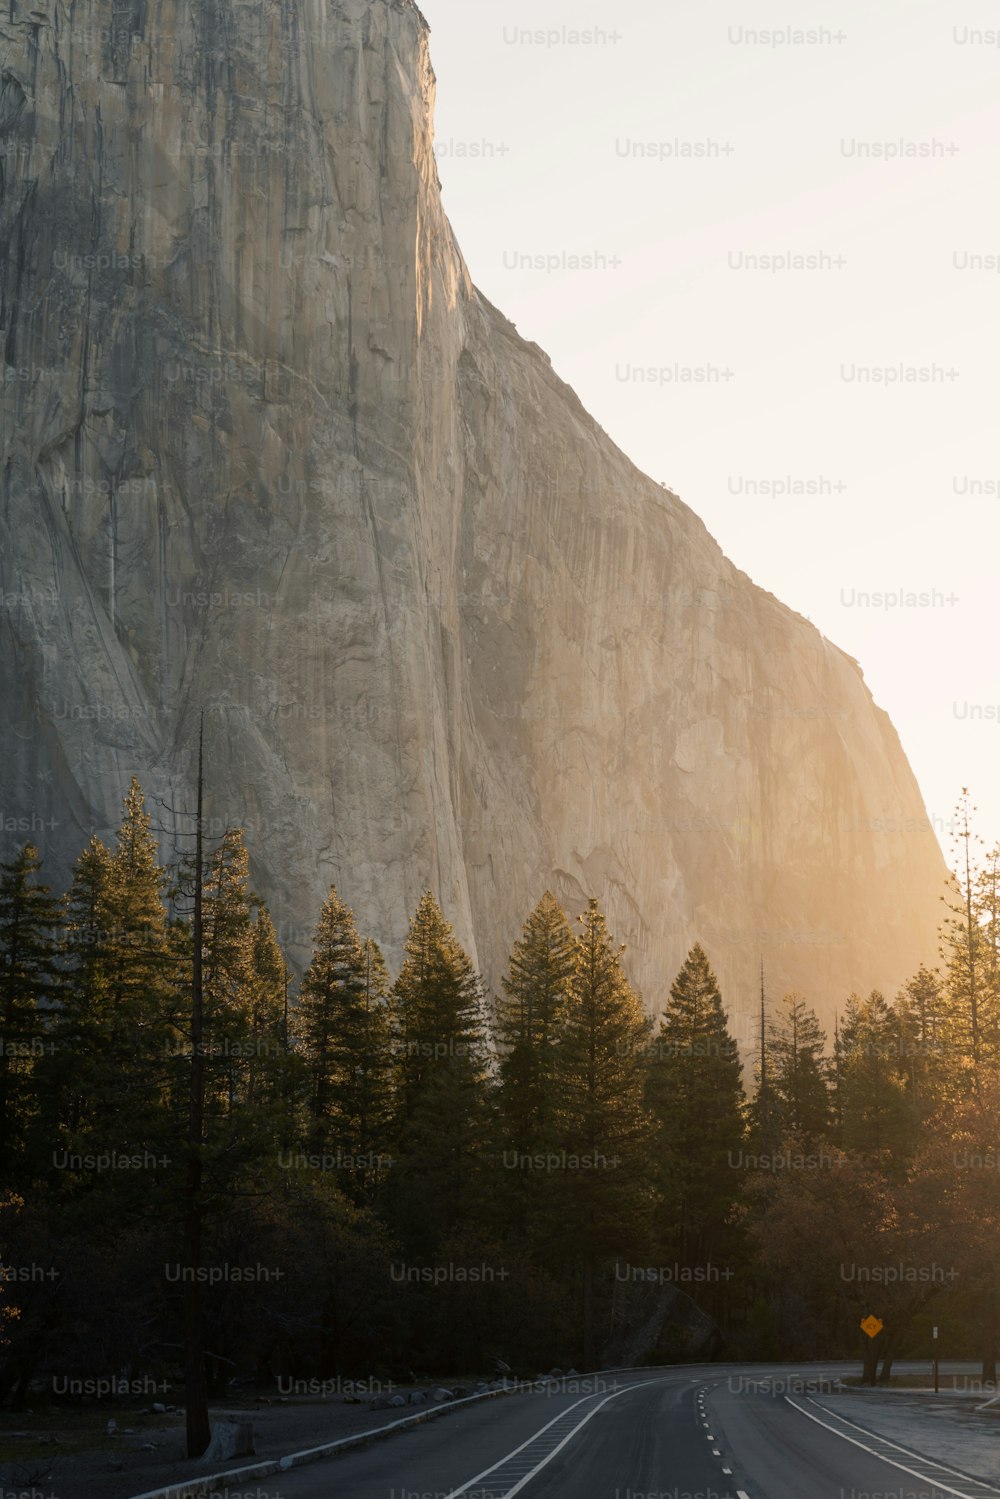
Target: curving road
(717, 1432)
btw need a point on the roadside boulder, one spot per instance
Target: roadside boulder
(231, 1437)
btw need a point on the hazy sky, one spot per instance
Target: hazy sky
(679, 148)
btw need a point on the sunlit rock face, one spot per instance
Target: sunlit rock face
(268, 454)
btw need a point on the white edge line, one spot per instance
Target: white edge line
(952, 1472)
(197, 1487)
(865, 1432)
(924, 1477)
(643, 1384)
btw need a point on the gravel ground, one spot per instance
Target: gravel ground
(119, 1467)
(944, 1427)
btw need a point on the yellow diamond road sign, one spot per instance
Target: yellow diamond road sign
(872, 1326)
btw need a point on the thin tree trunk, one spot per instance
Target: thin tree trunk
(990, 1331)
(888, 1354)
(199, 1431)
(589, 1359)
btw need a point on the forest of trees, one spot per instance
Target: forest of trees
(420, 1177)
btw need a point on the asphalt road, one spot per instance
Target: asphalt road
(716, 1433)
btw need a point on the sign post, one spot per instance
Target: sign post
(934, 1335)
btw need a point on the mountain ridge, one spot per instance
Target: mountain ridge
(472, 647)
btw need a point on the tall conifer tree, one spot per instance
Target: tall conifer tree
(531, 1015)
(110, 1072)
(696, 1093)
(29, 921)
(799, 1073)
(600, 1186)
(441, 1098)
(875, 1119)
(343, 1025)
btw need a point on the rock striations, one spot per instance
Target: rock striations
(268, 453)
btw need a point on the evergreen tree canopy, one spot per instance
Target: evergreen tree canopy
(874, 1116)
(799, 1073)
(696, 1093)
(108, 1081)
(971, 1015)
(927, 1061)
(441, 1084)
(537, 994)
(599, 1186)
(438, 1000)
(29, 922)
(343, 1025)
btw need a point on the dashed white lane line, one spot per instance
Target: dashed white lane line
(972, 1488)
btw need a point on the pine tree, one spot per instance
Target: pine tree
(441, 1121)
(438, 998)
(228, 1044)
(599, 1188)
(972, 1011)
(530, 1016)
(269, 1067)
(77, 1075)
(228, 975)
(763, 1118)
(371, 1108)
(140, 986)
(875, 1119)
(109, 1076)
(537, 991)
(135, 912)
(331, 987)
(343, 1024)
(927, 1064)
(29, 922)
(696, 1092)
(799, 1073)
(988, 907)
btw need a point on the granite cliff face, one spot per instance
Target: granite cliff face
(267, 451)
